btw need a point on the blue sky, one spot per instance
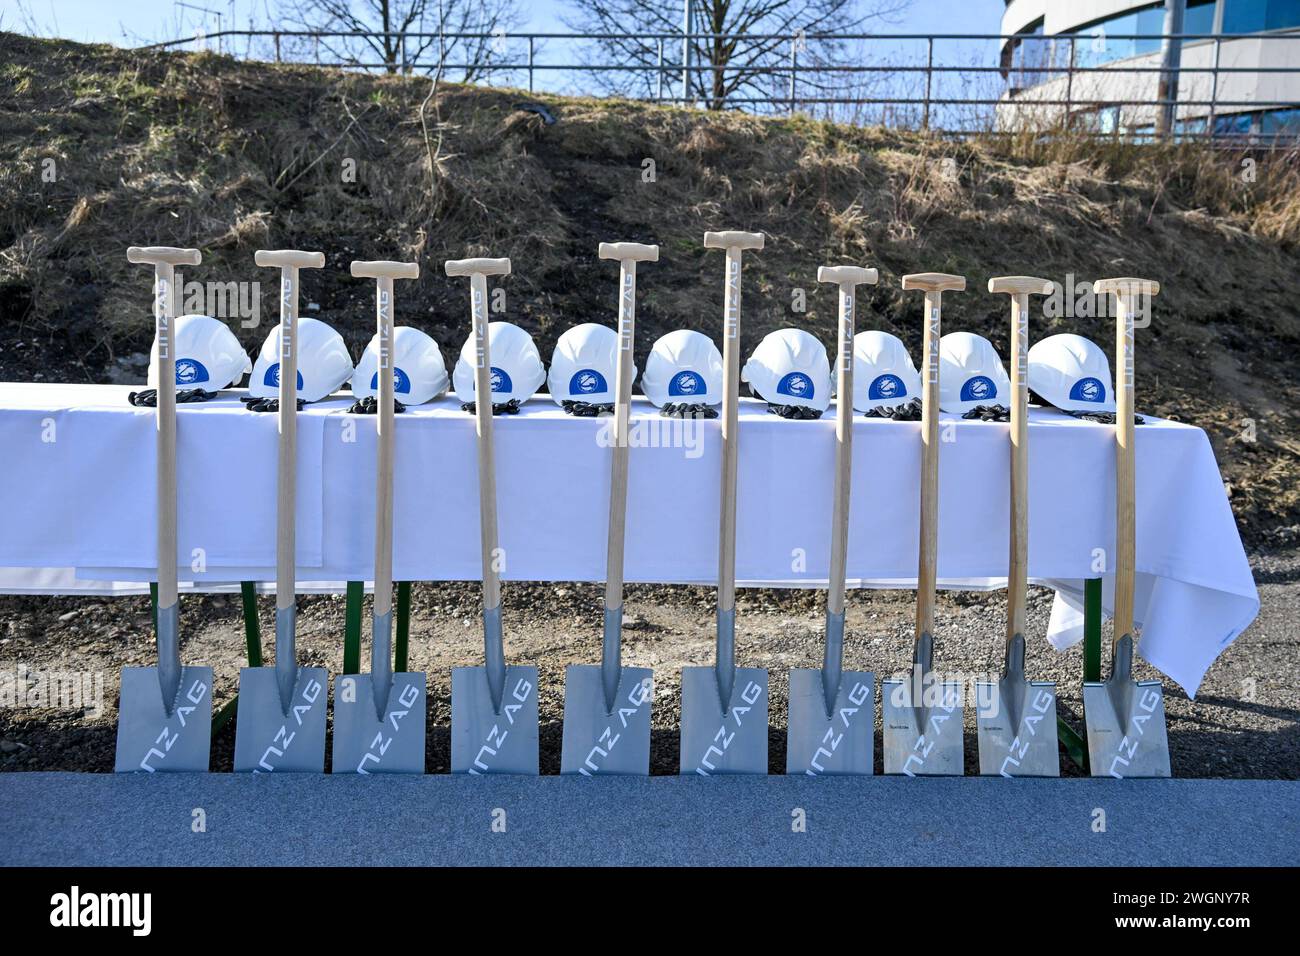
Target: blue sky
(128, 23)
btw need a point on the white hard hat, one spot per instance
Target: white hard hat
(208, 356)
(683, 366)
(883, 373)
(584, 365)
(970, 373)
(1071, 373)
(790, 367)
(323, 363)
(517, 370)
(419, 373)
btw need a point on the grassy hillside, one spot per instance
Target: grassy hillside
(199, 150)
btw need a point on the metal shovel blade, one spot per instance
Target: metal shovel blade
(841, 742)
(1125, 719)
(363, 743)
(485, 740)
(266, 738)
(597, 741)
(922, 719)
(1016, 727)
(1016, 721)
(718, 739)
(150, 740)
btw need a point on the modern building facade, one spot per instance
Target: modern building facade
(1096, 64)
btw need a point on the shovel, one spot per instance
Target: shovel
(1125, 719)
(1016, 722)
(607, 708)
(832, 723)
(724, 707)
(165, 716)
(922, 715)
(379, 720)
(281, 722)
(494, 707)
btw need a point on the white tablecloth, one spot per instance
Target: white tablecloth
(77, 492)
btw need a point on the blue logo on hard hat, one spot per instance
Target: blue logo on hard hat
(501, 381)
(400, 382)
(1088, 390)
(796, 385)
(887, 386)
(686, 383)
(587, 381)
(978, 388)
(272, 376)
(190, 371)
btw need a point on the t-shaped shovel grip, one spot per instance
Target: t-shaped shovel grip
(1125, 290)
(847, 275)
(481, 267)
(385, 269)
(1019, 288)
(733, 239)
(163, 255)
(289, 259)
(933, 284)
(628, 251)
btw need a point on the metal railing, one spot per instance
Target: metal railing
(848, 79)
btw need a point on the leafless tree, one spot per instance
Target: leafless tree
(410, 34)
(742, 49)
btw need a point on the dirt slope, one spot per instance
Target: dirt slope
(230, 157)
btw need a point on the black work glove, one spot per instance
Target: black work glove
(1104, 418)
(907, 412)
(370, 406)
(688, 410)
(266, 404)
(801, 412)
(586, 409)
(148, 398)
(499, 408)
(989, 413)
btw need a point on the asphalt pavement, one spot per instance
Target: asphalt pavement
(68, 819)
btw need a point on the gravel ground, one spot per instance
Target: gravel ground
(1245, 723)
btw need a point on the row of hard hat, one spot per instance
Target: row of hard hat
(789, 367)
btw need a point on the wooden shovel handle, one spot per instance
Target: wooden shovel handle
(934, 284)
(289, 262)
(1019, 288)
(1125, 290)
(846, 278)
(733, 243)
(629, 254)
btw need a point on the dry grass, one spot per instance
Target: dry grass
(204, 151)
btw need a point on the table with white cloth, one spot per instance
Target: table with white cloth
(78, 506)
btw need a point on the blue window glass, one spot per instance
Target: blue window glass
(1251, 16)
(1097, 43)
(1236, 124)
(1281, 123)
(1199, 17)
(1244, 16)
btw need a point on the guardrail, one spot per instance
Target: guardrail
(897, 79)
